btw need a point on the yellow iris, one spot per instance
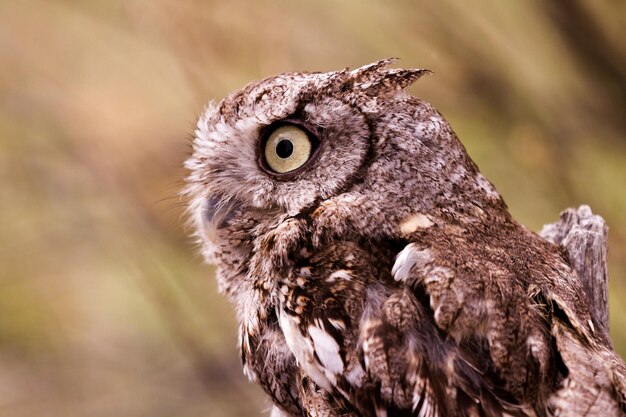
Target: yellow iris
(287, 149)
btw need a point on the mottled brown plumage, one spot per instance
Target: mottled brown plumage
(375, 271)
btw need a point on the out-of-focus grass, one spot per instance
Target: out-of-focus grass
(104, 307)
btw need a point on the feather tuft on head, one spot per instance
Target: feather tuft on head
(376, 79)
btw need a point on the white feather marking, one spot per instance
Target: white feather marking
(417, 396)
(356, 375)
(302, 349)
(415, 221)
(406, 260)
(341, 274)
(426, 410)
(337, 324)
(399, 271)
(327, 349)
(366, 357)
(422, 393)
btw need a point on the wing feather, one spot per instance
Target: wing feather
(374, 346)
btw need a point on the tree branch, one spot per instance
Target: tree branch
(583, 235)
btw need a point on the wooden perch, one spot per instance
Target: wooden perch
(583, 235)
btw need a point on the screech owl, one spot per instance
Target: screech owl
(375, 271)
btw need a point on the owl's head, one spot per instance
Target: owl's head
(348, 150)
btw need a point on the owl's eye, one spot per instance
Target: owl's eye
(287, 148)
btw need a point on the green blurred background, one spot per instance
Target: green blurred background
(105, 307)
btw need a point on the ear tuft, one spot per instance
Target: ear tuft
(370, 70)
(376, 80)
(395, 80)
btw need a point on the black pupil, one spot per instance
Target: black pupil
(284, 148)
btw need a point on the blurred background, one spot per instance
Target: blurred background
(105, 307)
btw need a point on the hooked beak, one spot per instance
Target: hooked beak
(217, 213)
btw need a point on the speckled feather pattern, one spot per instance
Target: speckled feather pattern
(387, 278)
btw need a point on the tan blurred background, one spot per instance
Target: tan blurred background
(105, 309)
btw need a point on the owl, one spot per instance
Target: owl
(374, 270)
